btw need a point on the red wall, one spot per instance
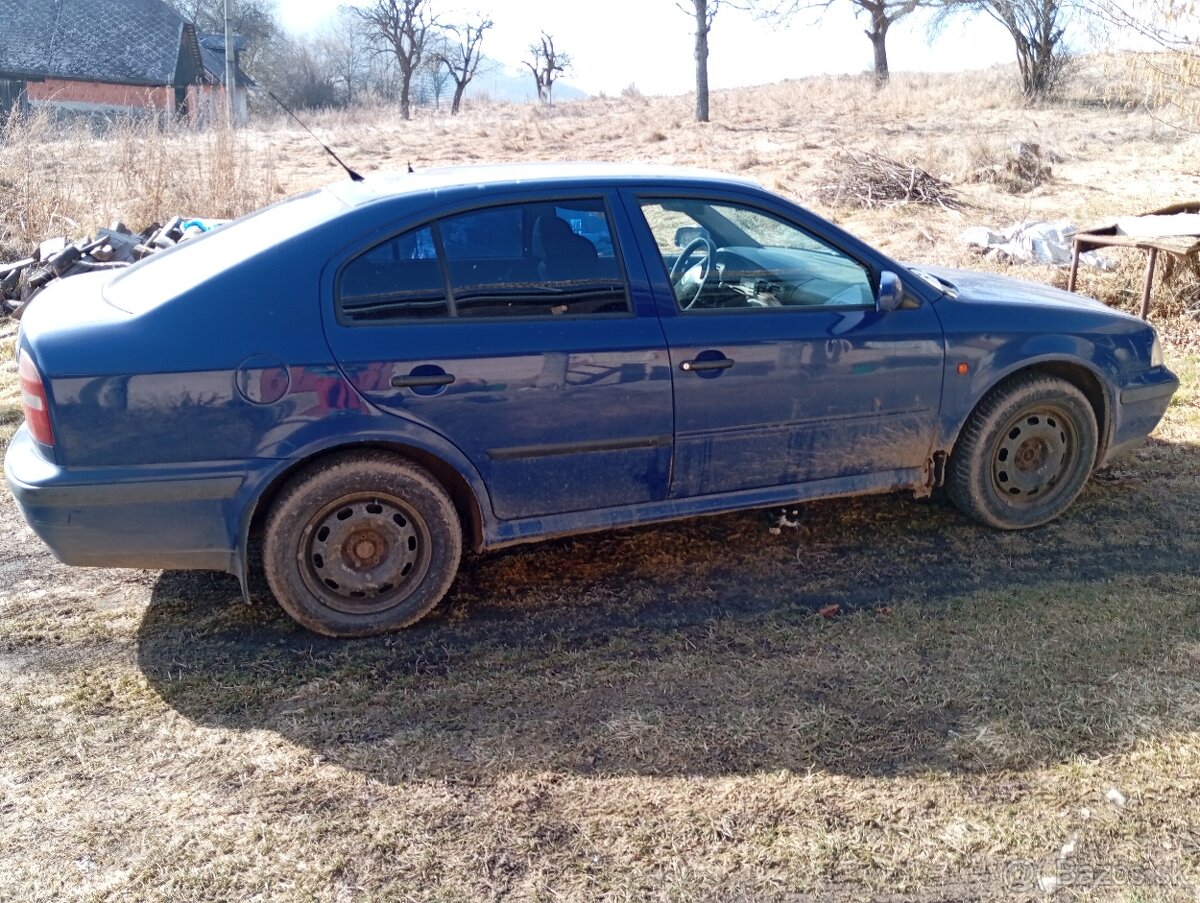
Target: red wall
(54, 90)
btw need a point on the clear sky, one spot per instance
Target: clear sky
(615, 43)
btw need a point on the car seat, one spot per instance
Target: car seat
(561, 254)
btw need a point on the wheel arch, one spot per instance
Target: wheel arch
(1079, 375)
(466, 504)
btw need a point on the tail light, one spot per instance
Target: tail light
(33, 400)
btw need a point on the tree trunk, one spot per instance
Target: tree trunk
(459, 88)
(878, 36)
(702, 27)
(406, 77)
(405, 86)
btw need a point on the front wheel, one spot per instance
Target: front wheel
(1025, 453)
(361, 544)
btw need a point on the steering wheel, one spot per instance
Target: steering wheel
(683, 263)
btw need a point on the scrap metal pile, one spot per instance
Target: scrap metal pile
(111, 248)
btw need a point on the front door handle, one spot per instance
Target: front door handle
(422, 380)
(720, 363)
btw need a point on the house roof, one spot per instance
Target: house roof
(132, 42)
(212, 52)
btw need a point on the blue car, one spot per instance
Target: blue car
(371, 376)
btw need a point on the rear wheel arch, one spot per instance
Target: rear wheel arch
(454, 483)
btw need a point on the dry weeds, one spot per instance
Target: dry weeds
(654, 714)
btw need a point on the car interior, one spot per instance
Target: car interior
(721, 257)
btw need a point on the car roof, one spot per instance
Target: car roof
(394, 184)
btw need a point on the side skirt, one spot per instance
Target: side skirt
(507, 533)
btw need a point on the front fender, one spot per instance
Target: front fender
(988, 364)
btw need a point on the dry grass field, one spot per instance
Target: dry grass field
(660, 713)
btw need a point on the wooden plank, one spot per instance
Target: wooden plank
(1183, 245)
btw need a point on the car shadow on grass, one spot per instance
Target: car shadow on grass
(712, 647)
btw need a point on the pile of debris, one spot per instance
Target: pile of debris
(1022, 170)
(111, 248)
(871, 180)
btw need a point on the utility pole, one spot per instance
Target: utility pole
(230, 69)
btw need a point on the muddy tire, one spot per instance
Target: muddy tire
(361, 544)
(1025, 454)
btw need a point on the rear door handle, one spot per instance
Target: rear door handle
(721, 363)
(427, 379)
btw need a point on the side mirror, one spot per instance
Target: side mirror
(685, 235)
(891, 291)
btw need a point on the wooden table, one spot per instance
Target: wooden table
(1106, 236)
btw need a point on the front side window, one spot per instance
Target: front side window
(725, 256)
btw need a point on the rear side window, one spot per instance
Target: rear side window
(493, 234)
(518, 260)
(558, 268)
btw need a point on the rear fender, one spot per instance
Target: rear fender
(361, 431)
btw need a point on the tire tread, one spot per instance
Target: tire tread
(288, 515)
(967, 472)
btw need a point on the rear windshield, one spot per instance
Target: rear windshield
(178, 270)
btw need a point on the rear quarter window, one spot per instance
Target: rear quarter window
(400, 279)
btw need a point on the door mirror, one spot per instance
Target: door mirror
(685, 235)
(891, 291)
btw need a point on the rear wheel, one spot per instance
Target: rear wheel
(361, 544)
(1025, 453)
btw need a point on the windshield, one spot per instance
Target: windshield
(180, 269)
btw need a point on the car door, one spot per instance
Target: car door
(512, 330)
(784, 370)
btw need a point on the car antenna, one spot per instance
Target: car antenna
(353, 175)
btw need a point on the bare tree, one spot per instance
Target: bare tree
(704, 11)
(403, 27)
(302, 75)
(461, 57)
(254, 20)
(383, 77)
(547, 64)
(1037, 28)
(881, 15)
(346, 53)
(434, 78)
(1168, 74)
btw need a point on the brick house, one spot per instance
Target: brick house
(105, 57)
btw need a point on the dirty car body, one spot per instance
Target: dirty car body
(375, 374)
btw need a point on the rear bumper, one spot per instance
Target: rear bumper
(116, 517)
(1141, 405)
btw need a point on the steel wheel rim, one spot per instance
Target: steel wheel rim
(364, 553)
(1035, 453)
